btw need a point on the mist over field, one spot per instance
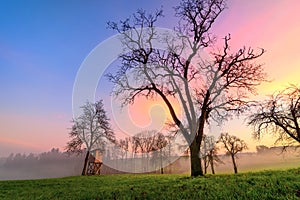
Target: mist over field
(45, 165)
(248, 162)
(54, 164)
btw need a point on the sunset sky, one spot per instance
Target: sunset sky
(43, 43)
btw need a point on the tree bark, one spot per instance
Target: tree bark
(85, 163)
(196, 165)
(234, 164)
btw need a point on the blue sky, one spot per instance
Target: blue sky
(42, 46)
(43, 43)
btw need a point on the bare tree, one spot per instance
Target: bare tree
(280, 114)
(207, 90)
(124, 147)
(159, 143)
(149, 142)
(233, 145)
(90, 130)
(145, 144)
(210, 153)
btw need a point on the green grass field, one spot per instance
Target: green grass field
(259, 185)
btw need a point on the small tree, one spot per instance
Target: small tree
(233, 145)
(210, 153)
(159, 143)
(124, 147)
(280, 114)
(145, 141)
(91, 129)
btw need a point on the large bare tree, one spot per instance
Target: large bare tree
(233, 145)
(280, 114)
(90, 130)
(206, 90)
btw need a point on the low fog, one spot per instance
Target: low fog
(54, 164)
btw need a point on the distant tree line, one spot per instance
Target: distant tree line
(53, 163)
(46, 158)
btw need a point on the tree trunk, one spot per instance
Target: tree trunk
(86, 160)
(212, 165)
(161, 162)
(205, 164)
(196, 165)
(234, 164)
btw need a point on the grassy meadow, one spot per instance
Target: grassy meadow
(259, 185)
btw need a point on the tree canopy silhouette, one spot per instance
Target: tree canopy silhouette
(206, 89)
(280, 114)
(233, 145)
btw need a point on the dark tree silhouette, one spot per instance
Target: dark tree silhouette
(91, 130)
(207, 90)
(280, 114)
(233, 145)
(210, 153)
